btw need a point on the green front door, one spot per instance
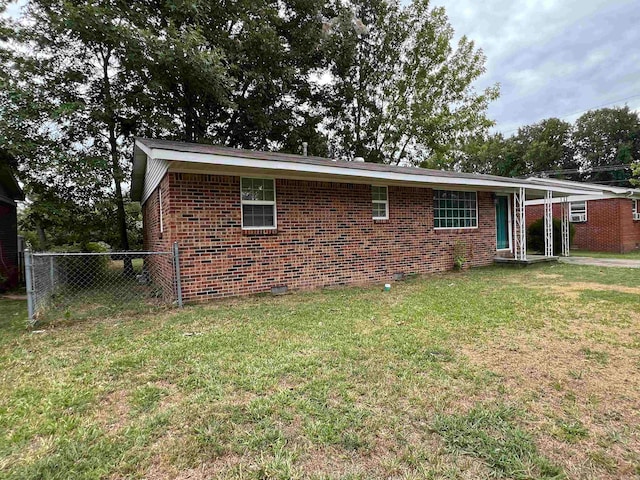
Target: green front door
(502, 222)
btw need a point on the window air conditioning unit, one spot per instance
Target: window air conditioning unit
(578, 217)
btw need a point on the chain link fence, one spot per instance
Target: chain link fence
(82, 285)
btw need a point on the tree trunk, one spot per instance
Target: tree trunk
(42, 236)
(121, 214)
(116, 171)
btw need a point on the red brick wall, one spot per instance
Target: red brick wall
(160, 267)
(325, 236)
(609, 226)
(630, 229)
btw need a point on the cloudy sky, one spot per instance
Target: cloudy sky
(553, 57)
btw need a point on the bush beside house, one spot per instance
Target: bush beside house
(535, 235)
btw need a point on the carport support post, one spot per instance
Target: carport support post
(548, 224)
(176, 263)
(28, 278)
(520, 224)
(564, 206)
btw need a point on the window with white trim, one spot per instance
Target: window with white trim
(455, 209)
(636, 209)
(578, 212)
(258, 199)
(380, 199)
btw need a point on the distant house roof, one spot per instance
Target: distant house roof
(181, 156)
(8, 183)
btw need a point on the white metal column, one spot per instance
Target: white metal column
(564, 207)
(519, 225)
(548, 224)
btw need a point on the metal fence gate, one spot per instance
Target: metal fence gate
(81, 285)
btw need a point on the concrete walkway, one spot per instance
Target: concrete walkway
(601, 262)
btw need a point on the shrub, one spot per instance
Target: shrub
(535, 236)
(459, 255)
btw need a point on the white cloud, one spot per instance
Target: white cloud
(552, 57)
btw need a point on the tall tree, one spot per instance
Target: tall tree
(74, 68)
(85, 76)
(492, 154)
(237, 74)
(605, 140)
(547, 146)
(400, 90)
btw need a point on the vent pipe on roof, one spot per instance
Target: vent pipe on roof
(305, 146)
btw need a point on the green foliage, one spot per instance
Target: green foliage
(571, 430)
(600, 357)
(412, 107)
(635, 171)
(81, 271)
(459, 255)
(95, 74)
(544, 146)
(599, 139)
(53, 221)
(535, 235)
(605, 137)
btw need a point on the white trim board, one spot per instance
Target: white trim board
(578, 198)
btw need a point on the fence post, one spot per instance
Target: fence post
(28, 276)
(51, 272)
(176, 263)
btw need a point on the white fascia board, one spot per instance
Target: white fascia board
(574, 198)
(596, 187)
(210, 159)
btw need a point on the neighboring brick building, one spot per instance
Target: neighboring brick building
(601, 224)
(248, 222)
(10, 192)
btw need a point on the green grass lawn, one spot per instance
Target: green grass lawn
(491, 373)
(635, 255)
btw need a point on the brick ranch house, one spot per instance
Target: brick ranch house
(607, 220)
(248, 222)
(10, 192)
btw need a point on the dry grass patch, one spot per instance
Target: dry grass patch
(581, 397)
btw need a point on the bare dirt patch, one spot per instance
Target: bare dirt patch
(112, 411)
(574, 289)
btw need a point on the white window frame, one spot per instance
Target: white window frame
(244, 202)
(635, 208)
(477, 217)
(385, 202)
(571, 212)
